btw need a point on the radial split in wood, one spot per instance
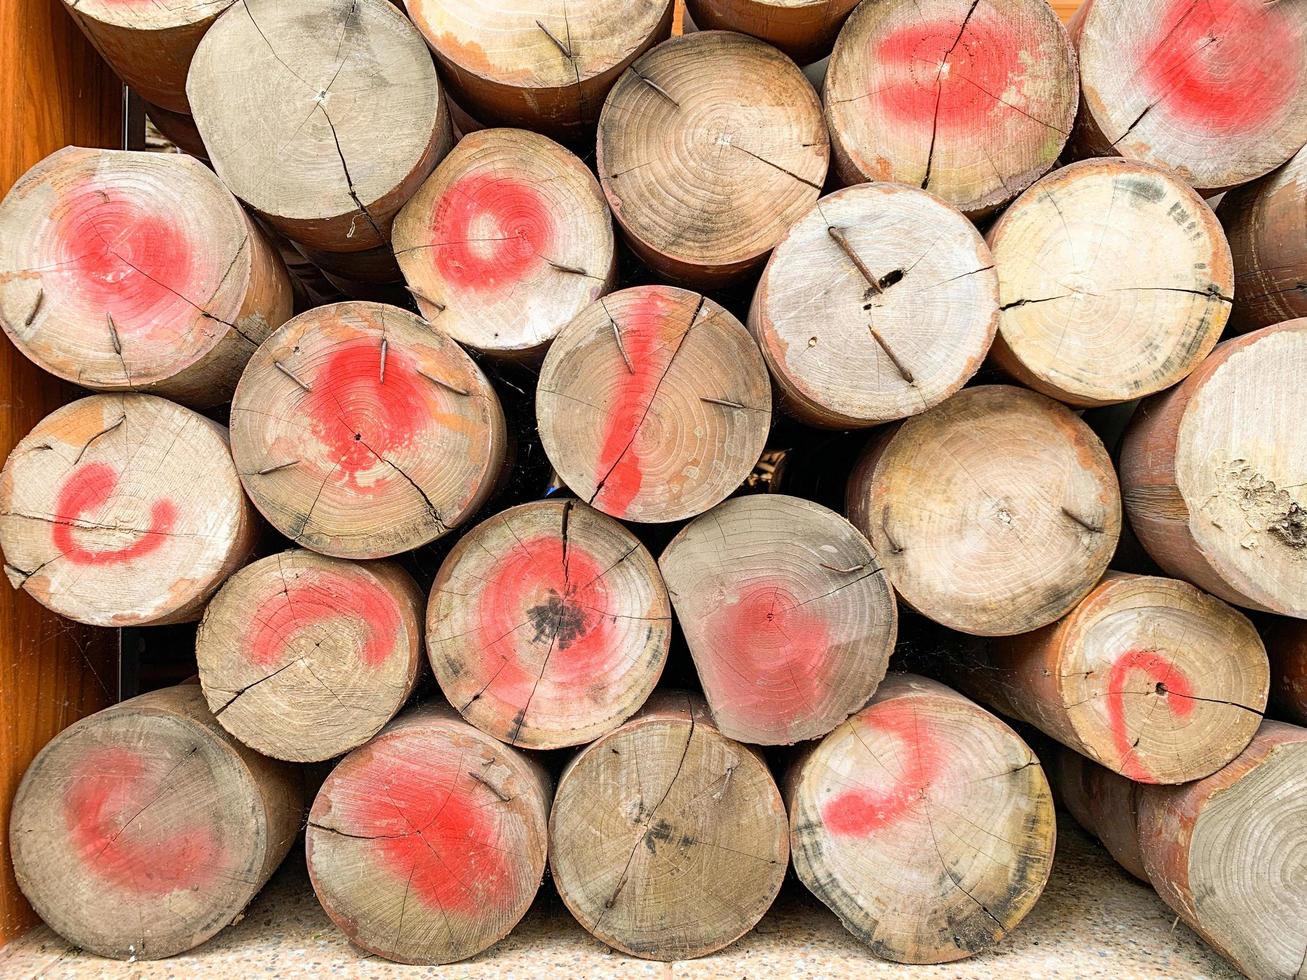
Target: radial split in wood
(803, 29)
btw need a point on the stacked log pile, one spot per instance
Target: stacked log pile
(510, 428)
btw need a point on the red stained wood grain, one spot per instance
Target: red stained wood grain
(1171, 685)
(89, 487)
(490, 230)
(314, 602)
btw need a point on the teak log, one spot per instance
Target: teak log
(860, 327)
(1215, 92)
(144, 829)
(653, 404)
(323, 116)
(1147, 676)
(123, 270)
(123, 510)
(994, 513)
(427, 845)
(923, 822)
(360, 432)
(1267, 224)
(1286, 644)
(1212, 472)
(1103, 803)
(544, 66)
(506, 242)
(710, 147)
(1115, 280)
(804, 30)
(548, 625)
(667, 840)
(972, 101)
(304, 657)
(786, 612)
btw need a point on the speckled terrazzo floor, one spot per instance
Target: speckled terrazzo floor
(1093, 921)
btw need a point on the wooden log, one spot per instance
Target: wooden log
(506, 242)
(653, 404)
(923, 822)
(427, 845)
(1115, 280)
(123, 510)
(144, 829)
(972, 101)
(1226, 853)
(1147, 676)
(859, 327)
(148, 43)
(1103, 803)
(123, 270)
(1211, 472)
(179, 129)
(705, 170)
(667, 840)
(1267, 224)
(374, 267)
(802, 29)
(994, 513)
(1286, 644)
(323, 116)
(304, 658)
(548, 625)
(360, 432)
(787, 614)
(545, 66)
(1215, 92)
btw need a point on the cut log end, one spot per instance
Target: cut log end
(805, 31)
(548, 625)
(786, 612)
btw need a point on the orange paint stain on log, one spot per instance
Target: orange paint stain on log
(906, 774)
(489, 231)
(89, 487)
(316, 601)
(1171, 684)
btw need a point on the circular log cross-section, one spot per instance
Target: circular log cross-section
(304, 657)
(124, 270)
(994, 513)
(654, 404)
(1229, 853)
(803, 29)
(1149, 677)
(786, 612)
(859, 326)
(1115, 281)
(1286, 644)
(141, 831)
(1267, 224)
(123, 510)
(923, 822)
(1102, 802)
(710, 147)
(428, 844)
(544, 66)
(548, 625)
(667, 840)
(324, 116)
(148, 43)
(1215, 92)
(1212, 472)
(506, 242)
(360, 432)
(972, 101)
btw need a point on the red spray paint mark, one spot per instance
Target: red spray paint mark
(1171, 685)
(89, 487)
(1223, 65)
(488, 231)
(316, 600)
(360, 419)
(435, 831)
(945, 76)
(770, 654)
(108, 791)
(860, 812)
(649, 346)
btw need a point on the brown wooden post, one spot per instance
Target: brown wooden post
(805, 31)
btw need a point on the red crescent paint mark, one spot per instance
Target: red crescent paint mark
(1223, 65)
(769, 655)
(88, 487)
(317, 601)
(1171, 685)
(488, 231)
(108, 790)
(907, 771)
(359, 420)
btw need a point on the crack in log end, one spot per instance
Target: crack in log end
(349, 182)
